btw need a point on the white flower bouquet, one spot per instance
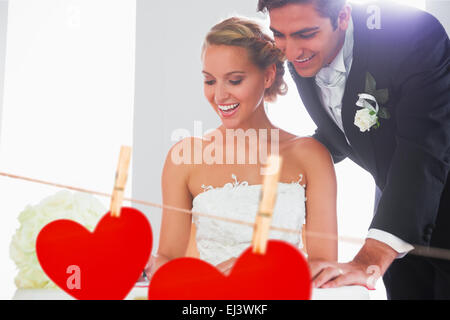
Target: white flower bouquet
(79, 207)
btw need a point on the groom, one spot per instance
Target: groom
(375, 80)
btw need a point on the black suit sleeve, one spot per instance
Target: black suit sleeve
(420, 164)
(335, 153)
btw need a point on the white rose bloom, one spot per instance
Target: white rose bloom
(364, 120)
(79, 207)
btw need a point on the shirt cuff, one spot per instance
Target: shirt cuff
(392, 241)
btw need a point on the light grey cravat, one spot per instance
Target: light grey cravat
(331, 80)
(332, 88)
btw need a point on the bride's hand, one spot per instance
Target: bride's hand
(150, 267)
(226, 266)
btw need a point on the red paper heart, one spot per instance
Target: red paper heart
(104, 264)
(280, 274)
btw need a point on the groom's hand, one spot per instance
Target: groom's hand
(366, 268)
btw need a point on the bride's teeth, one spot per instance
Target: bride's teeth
(229, 107)
(306, 59)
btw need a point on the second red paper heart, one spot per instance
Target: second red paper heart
(280, 274)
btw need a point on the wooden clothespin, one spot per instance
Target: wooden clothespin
(120, 181)
(266, 205)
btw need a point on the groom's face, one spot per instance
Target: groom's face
(308, 40)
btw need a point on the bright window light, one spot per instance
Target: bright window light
(68, 103)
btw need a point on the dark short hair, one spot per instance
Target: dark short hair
(325, 8)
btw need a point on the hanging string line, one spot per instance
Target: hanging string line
(430, 252)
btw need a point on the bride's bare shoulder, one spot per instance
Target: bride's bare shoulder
(181, 155)
(308, 149)
(185, 153)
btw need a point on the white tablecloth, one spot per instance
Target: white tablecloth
(140, 293)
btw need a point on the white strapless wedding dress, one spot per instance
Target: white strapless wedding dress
(219, 240)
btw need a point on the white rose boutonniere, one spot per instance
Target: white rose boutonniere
(80, 207)
(368, 117)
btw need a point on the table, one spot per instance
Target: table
(140, 293)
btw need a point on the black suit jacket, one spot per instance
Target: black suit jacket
(409, 154)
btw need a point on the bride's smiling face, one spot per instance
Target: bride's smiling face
(233, 85)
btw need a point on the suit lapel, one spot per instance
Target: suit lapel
(310, 98)
(361, 142)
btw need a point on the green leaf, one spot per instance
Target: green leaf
(382, 96)
(371, 84)
(372, 113)
(384, 113)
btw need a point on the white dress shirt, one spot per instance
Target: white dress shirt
(331, 81)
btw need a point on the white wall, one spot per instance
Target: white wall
(441, 10)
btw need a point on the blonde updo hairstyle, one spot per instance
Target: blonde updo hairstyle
(261, 48)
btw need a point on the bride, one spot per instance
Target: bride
(242, 69)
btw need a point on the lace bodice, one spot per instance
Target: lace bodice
(219, 240)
